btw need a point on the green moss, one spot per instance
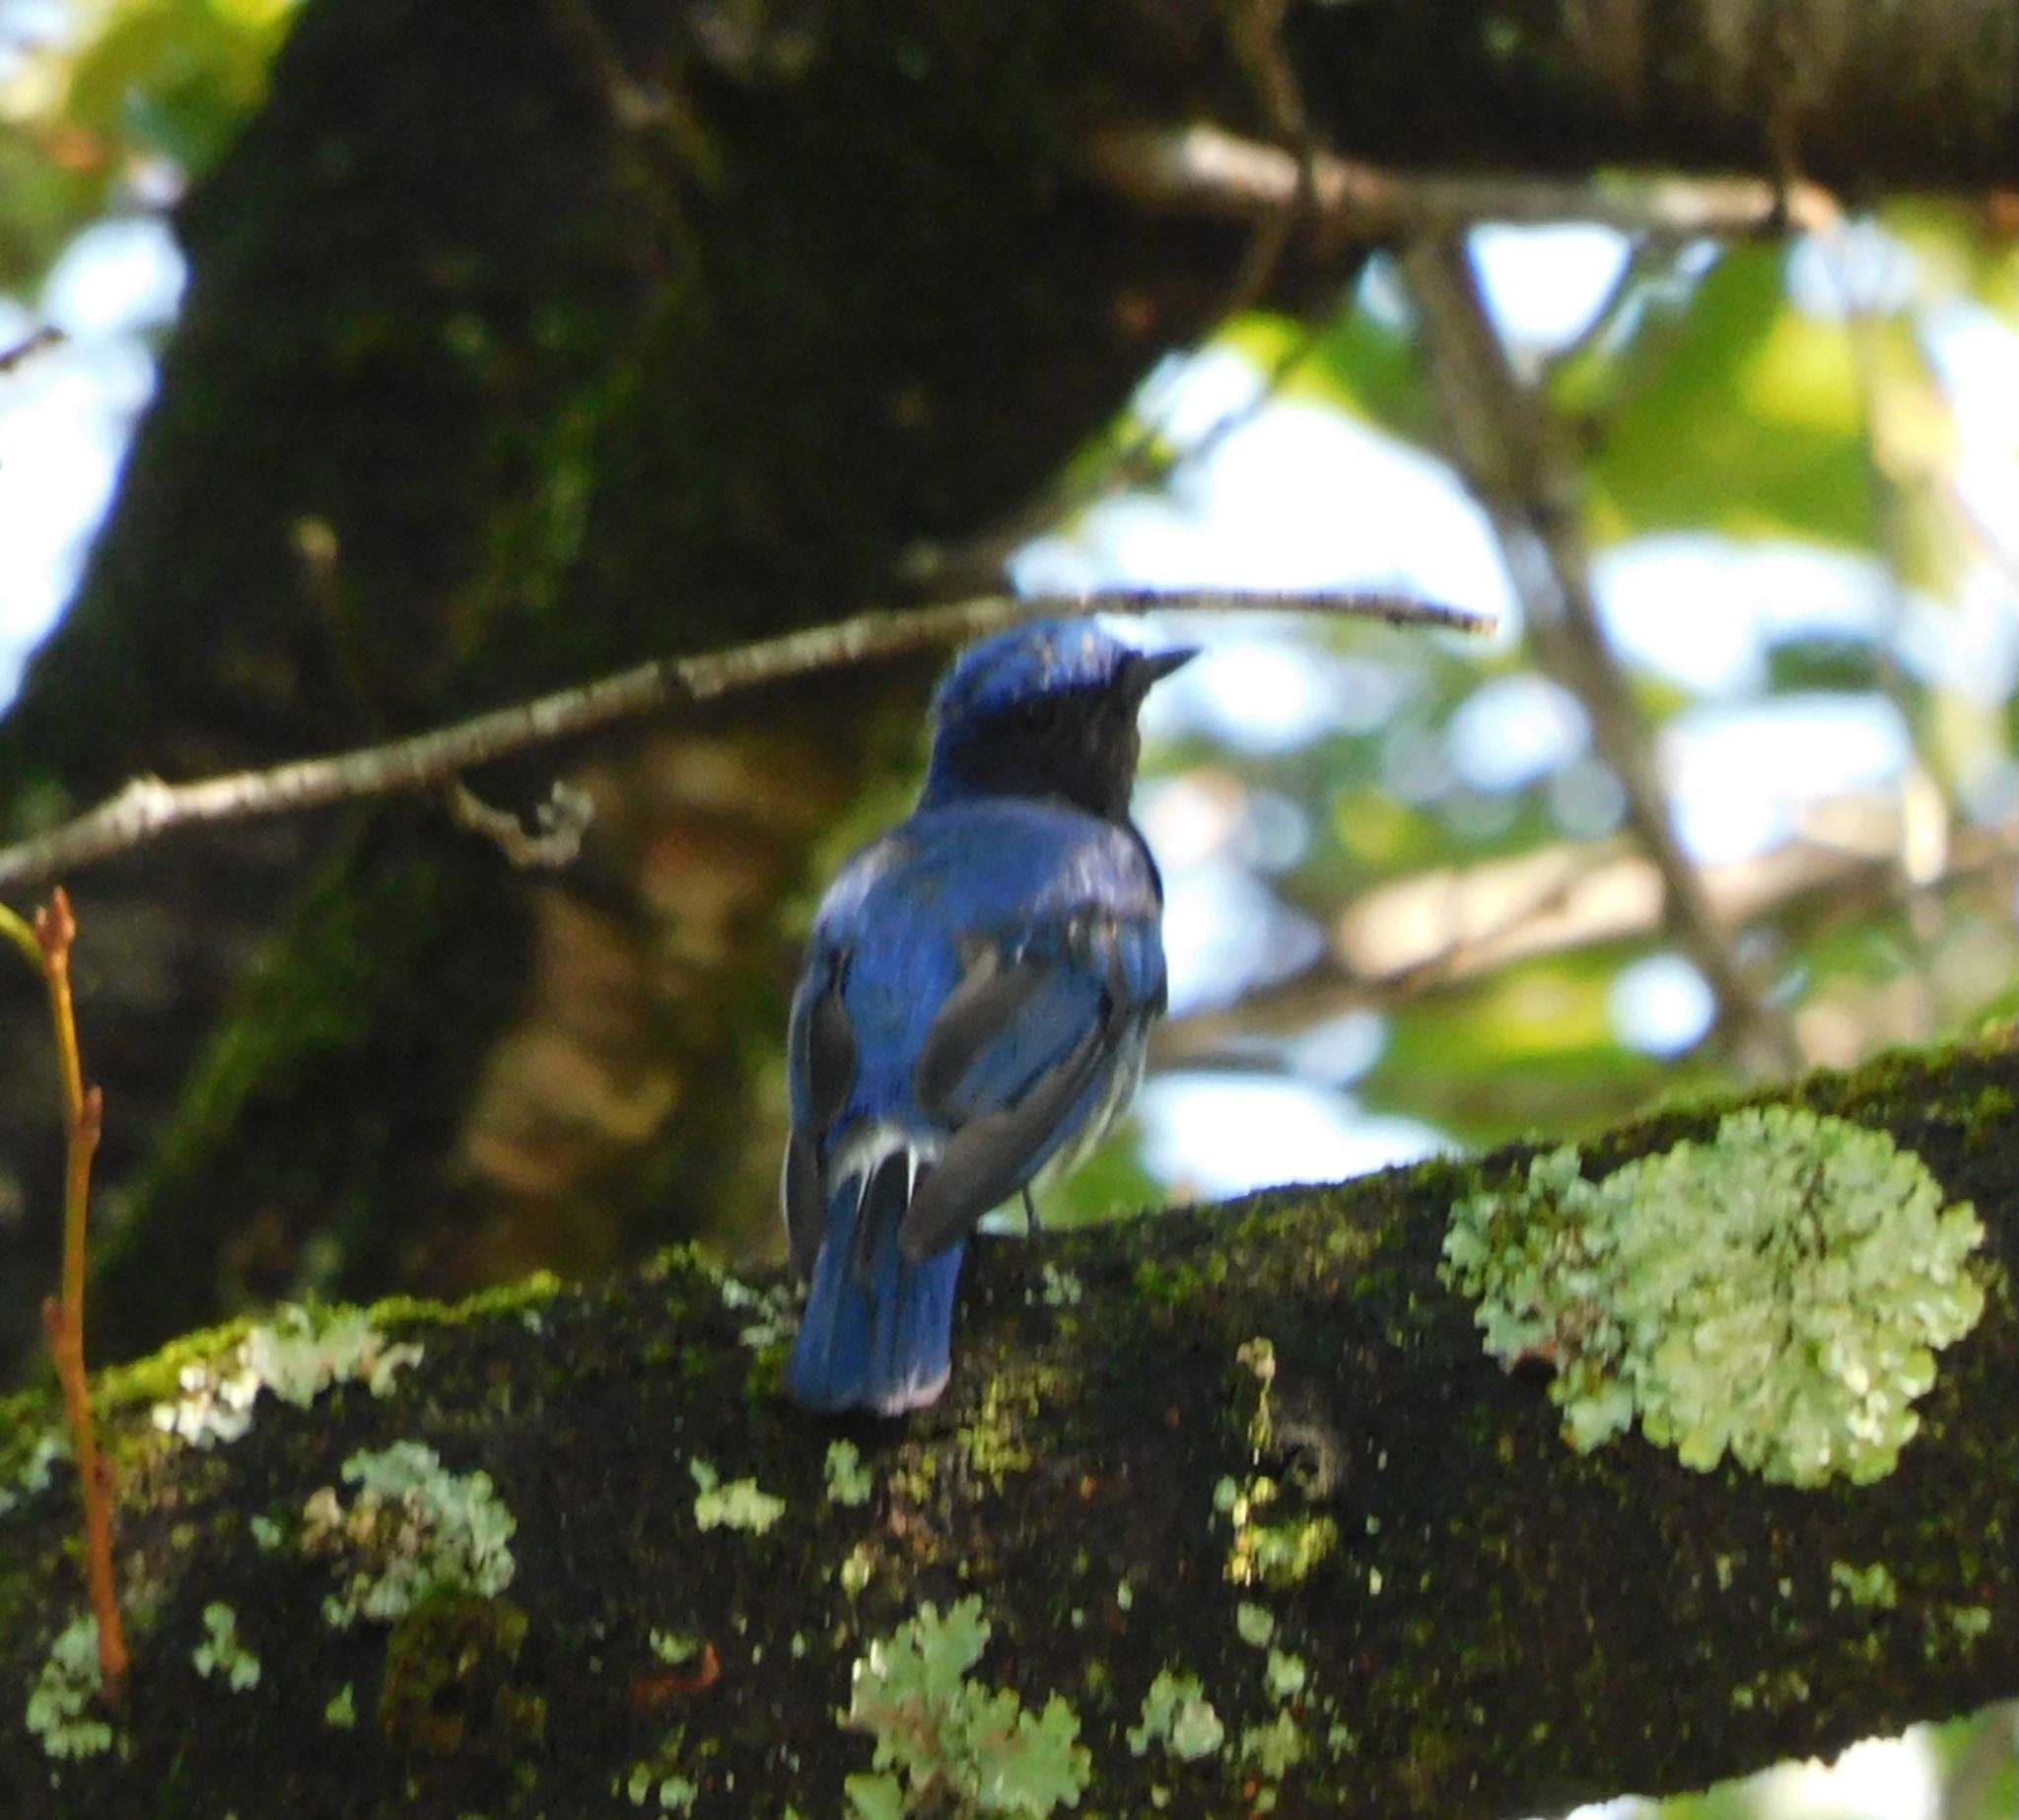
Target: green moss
(1987, 1117)
(1777, 1294)
(222, 1652)
(450, 1678)
(526, 1296)
(1269, 1547)
(994, 1441)
(1868, 1587)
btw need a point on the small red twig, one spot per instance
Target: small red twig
(55, 932)
(650, 1692)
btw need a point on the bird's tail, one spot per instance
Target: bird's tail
(878, 1332)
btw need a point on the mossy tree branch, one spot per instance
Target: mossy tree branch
(1440, 1608)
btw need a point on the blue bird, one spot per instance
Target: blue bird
(974, 1005)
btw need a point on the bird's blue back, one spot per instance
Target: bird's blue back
(973, 1006)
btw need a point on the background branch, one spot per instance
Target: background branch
(1450, 926)
(1508, 449)
(1207, 171)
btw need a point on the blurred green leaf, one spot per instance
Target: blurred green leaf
(174, 77)
(42, 202)
(1733, 411)
(1110, 1184)
(1354, 363)
(1958, 247)
(1532, 1047)
(1818, 660)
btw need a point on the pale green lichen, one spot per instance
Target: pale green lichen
(267, 1535)
(1779, 1293)
(672, 1794)
(61, 1705)
(855, 1569)
(1255, 1625)
(942, 1736)
(222, 1652)
(341, 1708)
(674, 1647)
(1177, 1715)
(51, 1446)
(1970, 1622)
(299, 1357)
(1063, 1289)
(1772, 1690)
(739, 1505)
(1287, 1674)
(772, 1311)
(1259, 1356)
(875, 1798)
(1869, 1586)
(849, 1480)
(414, 1528)
(1275, 1748)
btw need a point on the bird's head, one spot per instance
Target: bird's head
(1044, 710)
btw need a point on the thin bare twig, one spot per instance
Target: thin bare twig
(1509, 449)
(1205, 171)
(45, 337)
(147, 808)
(1647, 255)
(1254, 30)
(47, 946)
(560, 822)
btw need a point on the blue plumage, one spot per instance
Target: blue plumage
(973, 1006)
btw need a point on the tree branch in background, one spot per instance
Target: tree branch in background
(46, 337)
(1205, 171)
(148, 808)
(1407, 937)
(47, 949)
(1502, 438)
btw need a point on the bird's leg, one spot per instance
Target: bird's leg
(1032, 1229)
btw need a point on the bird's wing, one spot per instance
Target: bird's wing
(820, 1068)
(1021, 1056)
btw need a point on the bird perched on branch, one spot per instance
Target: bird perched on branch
(976, 994)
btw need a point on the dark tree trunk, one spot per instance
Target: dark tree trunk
(521, 342)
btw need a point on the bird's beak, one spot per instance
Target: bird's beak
(1153, 667)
